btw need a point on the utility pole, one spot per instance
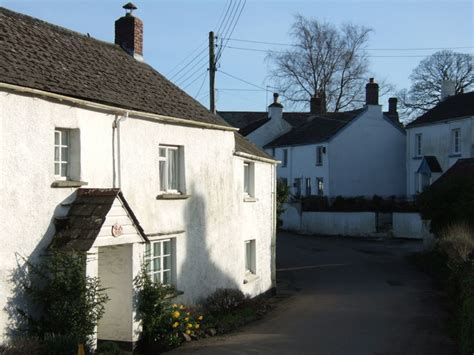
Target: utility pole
(212, 73)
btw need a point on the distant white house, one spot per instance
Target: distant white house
(102, 154)
(353, 153)
(438, 138)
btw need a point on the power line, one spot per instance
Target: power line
(369, 49)
(200, 88)
(225, 17)
(197, 78)
(190, 62)
(185, 58)
(221, 17)
(242, 80)
(227, 89)
(200, 63)
(233, 28)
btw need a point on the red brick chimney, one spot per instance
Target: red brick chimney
(318, 103)
(392, 105)
(372, 92)
(129, 32)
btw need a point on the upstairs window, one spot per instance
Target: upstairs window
(308, 186)
(418, 144)
(169, 169)
(249, 179)
(284, 161)
(250, 257)
(456, 141)
(319, 155)
(320, 186)
(61, 153)
(159, 261)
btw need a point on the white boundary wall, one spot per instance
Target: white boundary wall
(339, 223)
(408, 225)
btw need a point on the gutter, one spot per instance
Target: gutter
(256, 157)
(117, 110)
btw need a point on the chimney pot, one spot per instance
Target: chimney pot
(372, 92)
(275, 97)
(129, 32)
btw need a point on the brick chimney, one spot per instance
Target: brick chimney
(392, 105)
(129, 32)
(448, 88)
(372, 92)
(318, 103)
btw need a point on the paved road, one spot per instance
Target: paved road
(343, 296)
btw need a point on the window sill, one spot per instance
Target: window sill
(68, 183)
(249, 278)
(250, 199)
(455, 155)
(172, 197)
(174, 294)
(417, 158)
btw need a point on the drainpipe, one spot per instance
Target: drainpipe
(116, 126)
(274, 227)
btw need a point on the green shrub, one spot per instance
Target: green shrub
(23, 345)
(224, 300)
(64, 304)
(467, 326)
(457, 241)
(283, 192)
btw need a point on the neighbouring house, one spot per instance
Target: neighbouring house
(438, 138)
(100, 153)
(352, 153)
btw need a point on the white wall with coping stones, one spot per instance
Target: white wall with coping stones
(216, 220)
(339, 223)
(407, 225)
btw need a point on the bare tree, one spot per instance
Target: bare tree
(324, 60)
(426, 78)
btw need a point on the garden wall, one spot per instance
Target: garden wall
(408, 225)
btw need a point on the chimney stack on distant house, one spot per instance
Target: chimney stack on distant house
(129, 32)
(448, 88)
(275, 109)
(372, 92)
(392, 106)
(318, 103)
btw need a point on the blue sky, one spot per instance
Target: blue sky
(175, 29)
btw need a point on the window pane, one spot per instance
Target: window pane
(246, 178)
(56, 169)
(167, 277)
(56, 153)
(162, 152)
(167, 247)
(147, 250)
(64, 154)
(57, 137)
(156, 264)
(63, 169)
(173, 169)
(157, 278)
(166, 262)
(156, 249)
(148, 266)
(248, 255)
(64, 137)
(162, 176)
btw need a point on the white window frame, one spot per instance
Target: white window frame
(249, 179)
(60, 160)
(418, 144)
(251, 264)
(319, 155)
(456, 141)
(165, 159)
(150, 257)
(307, 187)
(284, 162)
(320, 186)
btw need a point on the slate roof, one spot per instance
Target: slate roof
(463, 168)
(433, 163)
(243, 145)
(319, 129)
(456, 106)
(79, 229)
(39, 55)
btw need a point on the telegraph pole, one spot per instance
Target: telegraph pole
(212, 73)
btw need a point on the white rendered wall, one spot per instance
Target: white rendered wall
(437, 141)
(407, 225)
(291, 217)
(339, 223)
(274, 128)
(367, 157)
(215, 219)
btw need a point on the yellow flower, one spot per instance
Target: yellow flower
(188, 332)
(181, 306)
(175, 314)
(189, 325)
(187, 313)
(186, 319)
(175, 324)
(175, 305)
(200, 318)
(196, 326)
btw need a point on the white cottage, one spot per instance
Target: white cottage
(351, 153)
(101, 153)
(438, 138)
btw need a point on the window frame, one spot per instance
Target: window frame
(149, 257)
(319, 155)
(307, 187)
(60, 146)
(249, 175)
(165, 160)
(456, 141)
(251, 265)
(418, 144)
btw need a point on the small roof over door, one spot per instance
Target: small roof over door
(429, 165)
